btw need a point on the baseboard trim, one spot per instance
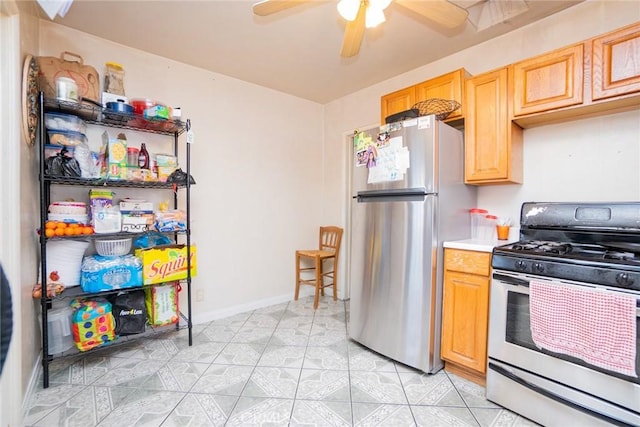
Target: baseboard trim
(199, 318)
(32, 385)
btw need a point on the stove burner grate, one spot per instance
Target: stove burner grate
(543, 247)
(622, 256)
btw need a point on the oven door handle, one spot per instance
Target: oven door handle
(510, 280)
(544, 392)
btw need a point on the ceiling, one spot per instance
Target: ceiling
(296, 51)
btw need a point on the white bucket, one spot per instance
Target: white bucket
(66, 89)
(59, 331)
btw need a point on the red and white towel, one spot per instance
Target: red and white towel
(594, 325)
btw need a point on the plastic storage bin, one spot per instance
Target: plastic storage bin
(59, 336)
(66, 137)
(66, 122)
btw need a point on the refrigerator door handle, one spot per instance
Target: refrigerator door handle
(384, 195)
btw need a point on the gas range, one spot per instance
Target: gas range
(589, 242)
(564, 302)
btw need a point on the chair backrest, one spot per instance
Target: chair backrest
(330, 239)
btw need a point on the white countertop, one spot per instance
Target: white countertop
(476, 245)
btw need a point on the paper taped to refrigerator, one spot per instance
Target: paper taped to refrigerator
(391, 164)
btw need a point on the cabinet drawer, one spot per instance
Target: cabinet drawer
(467, 261)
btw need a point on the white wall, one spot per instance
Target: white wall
(257, 160)
(584, 160)
(28, 210)
(17, 222)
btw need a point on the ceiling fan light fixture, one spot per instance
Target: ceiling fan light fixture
(348, 9)
(374, 17)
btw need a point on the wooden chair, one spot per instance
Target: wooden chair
(328, 249)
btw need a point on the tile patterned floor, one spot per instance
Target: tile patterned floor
(277, 366)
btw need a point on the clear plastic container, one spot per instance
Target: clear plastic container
(490, 223)
(477, 218)
(132, 157)
(65, 122)
(66, 89)
(66, 137)
(59, 335)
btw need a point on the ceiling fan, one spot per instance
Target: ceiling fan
(361, 14)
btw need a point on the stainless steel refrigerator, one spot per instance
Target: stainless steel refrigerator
(409, 197)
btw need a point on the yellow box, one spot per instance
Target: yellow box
(117, 159)
(165, 263)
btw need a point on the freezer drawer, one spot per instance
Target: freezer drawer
(395, 300)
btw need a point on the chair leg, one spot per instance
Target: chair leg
(321, 276)
(335, 280)
(297, 277)
(318, 282)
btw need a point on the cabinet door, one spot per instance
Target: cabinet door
(447, 86)
(465, 320)
(493, 143)
(397, 102)
(549, 81)
(616, 63)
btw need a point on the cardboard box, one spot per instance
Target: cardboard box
(166, 160)
(135, 205)
(162, 303)
(165, 263)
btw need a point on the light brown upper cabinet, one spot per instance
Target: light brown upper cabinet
(616, 63)
(493, 143)
(599, 76)
(396, 102)
(548, 81)
(447, 86)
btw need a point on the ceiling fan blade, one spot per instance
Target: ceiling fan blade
(441, 11)
(268, 7)
(354, 33)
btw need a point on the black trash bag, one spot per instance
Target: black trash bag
(130, 312)
(180, 177)
(63, 165)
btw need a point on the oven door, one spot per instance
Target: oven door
(514, 357)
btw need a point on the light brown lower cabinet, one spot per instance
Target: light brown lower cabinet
(465, 313)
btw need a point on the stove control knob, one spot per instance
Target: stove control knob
(521, 265)
(538, 267)
(623, 279)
